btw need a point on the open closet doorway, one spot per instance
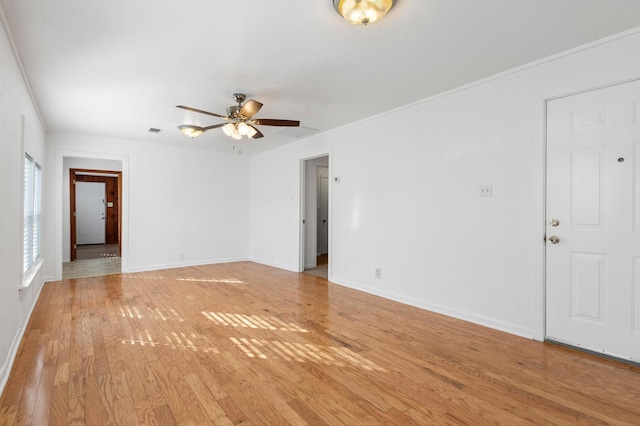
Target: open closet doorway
(315, 213)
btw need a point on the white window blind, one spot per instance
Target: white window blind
(32, 212)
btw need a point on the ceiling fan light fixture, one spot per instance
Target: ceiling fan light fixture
(243, 128)
(228, 129)
(362, 12)
(239, 120)
(252, 132)
(191, 131)
(236, 135)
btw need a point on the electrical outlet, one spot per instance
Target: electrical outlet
(182, 256)
(378, 272)
(486, 190)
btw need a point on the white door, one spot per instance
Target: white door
(593, 193)
(323, 210)
(90, 213)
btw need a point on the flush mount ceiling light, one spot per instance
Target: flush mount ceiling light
(362, 12)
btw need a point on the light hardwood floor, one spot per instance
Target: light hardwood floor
(243, 343)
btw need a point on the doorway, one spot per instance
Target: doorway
(315, 213)
(95, 199)
(593, 221)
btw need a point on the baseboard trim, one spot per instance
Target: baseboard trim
(5, 369)
(183, 264)
(454, 313)
(275, 264)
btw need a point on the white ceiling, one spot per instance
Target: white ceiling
(116, 68)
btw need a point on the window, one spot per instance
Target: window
(32, 212)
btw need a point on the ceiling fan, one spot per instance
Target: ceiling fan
(240, 121)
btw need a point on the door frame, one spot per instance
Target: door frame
(72, 205)
(303, 221)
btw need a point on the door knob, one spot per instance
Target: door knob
(554, 239)
(554, 222)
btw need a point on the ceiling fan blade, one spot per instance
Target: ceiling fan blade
(250, 108)
(215, 126)
(200, 111)
(274, 122)
(258, 134)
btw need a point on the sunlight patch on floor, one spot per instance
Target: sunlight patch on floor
(173, 340)
(212, 280)
(251, 321)
(156, 313)
(304, 352)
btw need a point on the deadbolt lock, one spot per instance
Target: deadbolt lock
(554, 222)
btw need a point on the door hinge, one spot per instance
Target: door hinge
(74, 247)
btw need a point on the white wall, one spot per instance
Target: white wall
(15, 103)
(408, 198)
(175, 201)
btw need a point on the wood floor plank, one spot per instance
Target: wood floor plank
(23, 368)
(108, 388)
(58, 413)
(145, 412)
(62, 374)
(224, 421)
(233, 411)
(31, 381)
(45, 395)
(92, 402)
(126, 413)
(164, 415)
(75, 412)
(205, 397)
(76, 384)
(243, 343)
(170, 393)
(8, 415)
